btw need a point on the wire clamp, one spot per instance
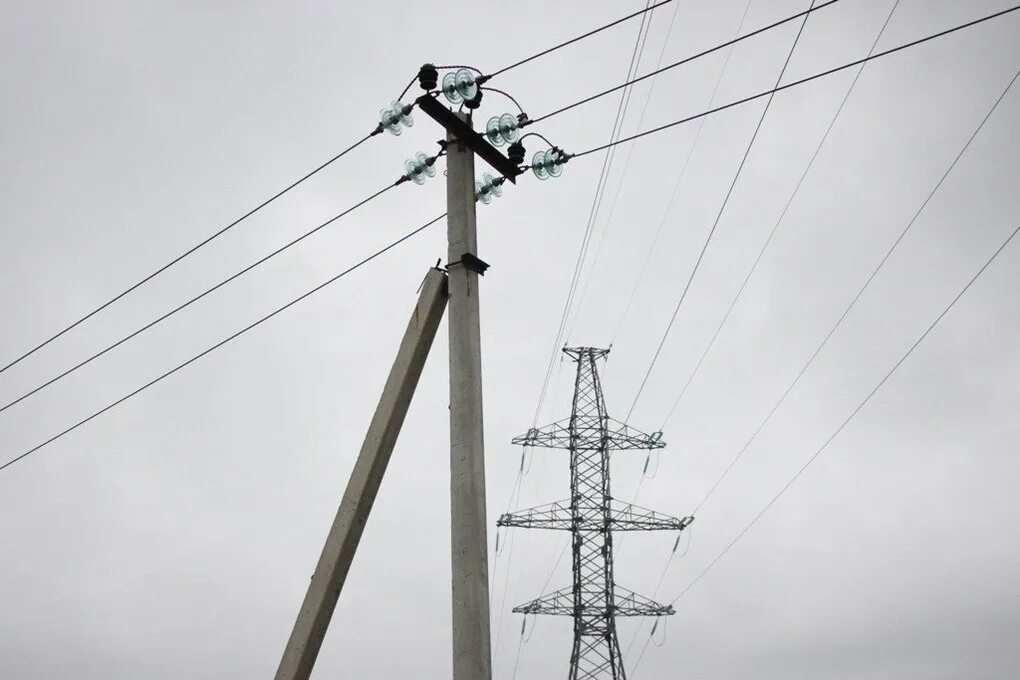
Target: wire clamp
(472, 262)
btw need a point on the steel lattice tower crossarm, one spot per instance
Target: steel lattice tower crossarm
(591, 514)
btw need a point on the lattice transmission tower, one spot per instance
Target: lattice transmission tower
(591, 515)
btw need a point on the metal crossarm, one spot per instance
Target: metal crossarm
(625, 603)
(617, 437)
(622, 517)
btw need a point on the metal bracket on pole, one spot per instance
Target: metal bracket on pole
(462, 131)
(472, 262)
(363, 485)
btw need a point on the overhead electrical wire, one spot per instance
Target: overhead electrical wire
(506, 94)
(192, 249)
(221, 343)
(782, 398)
(782, 216)
(198, 297)
(648, 8)
(801, 81)
(718, 217)
(545, 587)
(665, 569)
(515, 492)
(607, 169)
(842, 426)
(635, 58)
(586, 235)
(867, 283)
(662, 224)
(781, 88)
(775, 228)
(626, 167)
(676, 185)
(683, 61)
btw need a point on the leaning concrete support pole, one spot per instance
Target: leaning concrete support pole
(363, 485)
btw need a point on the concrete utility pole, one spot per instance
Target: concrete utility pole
(471, 653)
(363, 485)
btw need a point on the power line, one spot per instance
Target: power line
(681, 62)
(718, 217)
(795, 83)
(662, 225)
(860, 292)
(194, 248)
(586, 236)
(843, 316)
(846, 422)
(635, 63)
(223, 342)
(506, 94)
(779, 221)
(515, 491)
(545, 588)
(626, 167)
(198, 297)
(616, 130)
(648, 8)
(407, 87)
(676, 185)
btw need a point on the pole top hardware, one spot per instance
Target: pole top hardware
(472, 262)
(463, 132)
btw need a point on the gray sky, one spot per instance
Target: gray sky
(174, 536)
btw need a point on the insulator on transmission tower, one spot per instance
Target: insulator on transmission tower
(655, 436)
(515, 152)
(488, 189)
(396, 117)
(505, 129)
(549, 163)
(428, 77)
(460, 86)
(419, 168)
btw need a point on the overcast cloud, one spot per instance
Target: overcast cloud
(174, 536)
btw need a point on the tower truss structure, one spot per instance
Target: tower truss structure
(591, 515)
